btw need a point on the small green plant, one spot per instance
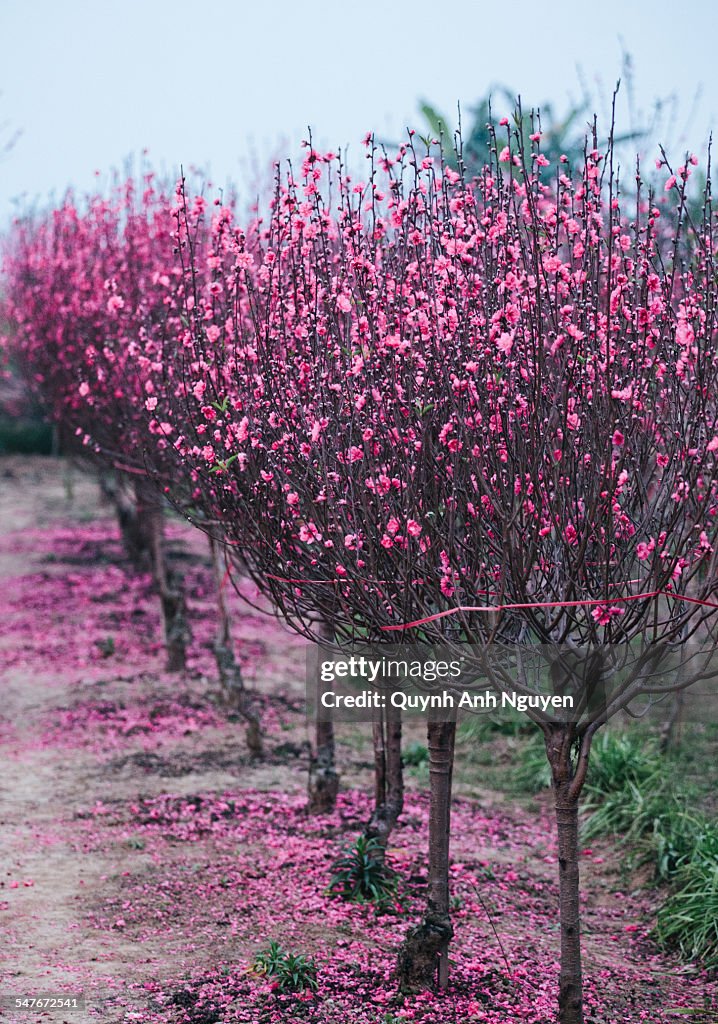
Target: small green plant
(361, 875)
(415, 754)
(106, 647)
(292, 972)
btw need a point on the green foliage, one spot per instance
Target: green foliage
(415, 754)
(631, 794)
(560, 135)
(293, 972)
(617, 758)
(25, 437)
(360, 874)
(533, 772)
(628, 791)
(482, 727)
(106, 647)
(688, 920)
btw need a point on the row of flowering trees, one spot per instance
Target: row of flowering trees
(476, 413)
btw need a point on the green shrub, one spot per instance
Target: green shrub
(483, 727)
(629, 790)
(415, 754)
(618, 758)
(688, 920)
(293, 972)
(360, 874)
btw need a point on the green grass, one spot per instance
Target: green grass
(688, 919)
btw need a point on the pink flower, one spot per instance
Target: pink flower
(505, 343)
(505, 155)
(413, 528)
(570, 535)
(603, 614)
(309, 533)
(685, 334)
(618, 438)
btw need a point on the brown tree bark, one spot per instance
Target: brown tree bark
(568, 778)
(423, 956)
(134, 519)
(169, 583)
(388, 775)
(230, 673)
(323, 784)
(323, 779)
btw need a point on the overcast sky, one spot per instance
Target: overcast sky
(89, 82)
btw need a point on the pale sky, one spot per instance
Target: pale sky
(90, 82)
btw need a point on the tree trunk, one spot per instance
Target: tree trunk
(323, 784)
(423, 956)
(134, 518)
(567, 788)
(230, 673)
(323, 779)
(388, 776)
(570, 999)
(671, 729)
(169, 583)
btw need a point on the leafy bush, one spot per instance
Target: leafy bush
(415, 754)
(680, 839)
(480, 727)
(293, 972)
(628, 791)
(360, 874)
(688, 920)
(620, 757)
(631, 793)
